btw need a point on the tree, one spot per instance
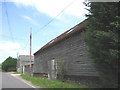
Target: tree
(102, 28)
(0, 66)
(9, 64)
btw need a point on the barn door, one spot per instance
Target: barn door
(52, 69)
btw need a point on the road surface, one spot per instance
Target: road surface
(9, 81)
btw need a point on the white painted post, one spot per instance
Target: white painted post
(23, 69)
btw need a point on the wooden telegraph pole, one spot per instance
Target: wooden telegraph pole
(30, 48)
(17, 66)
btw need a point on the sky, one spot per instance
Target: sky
(46, 18)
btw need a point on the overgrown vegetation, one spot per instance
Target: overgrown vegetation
(9, 64)
(61, 70)
(103, 25)
(46, 83)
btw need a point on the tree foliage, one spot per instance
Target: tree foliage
(103, 25)
(9, 64)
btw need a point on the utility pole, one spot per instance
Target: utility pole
(30, 48)
(17, 66)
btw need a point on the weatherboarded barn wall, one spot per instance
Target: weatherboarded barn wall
(69, 47)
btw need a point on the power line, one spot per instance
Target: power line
(51, 20)
(41, 27)
(6, 36)
(9, 25)
(26, 45)
(10, 30)
(56, 16)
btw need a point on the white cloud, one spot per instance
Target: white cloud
(8, 48)
(53, 7)
(4, 45)
(31, 20)
(23, 52)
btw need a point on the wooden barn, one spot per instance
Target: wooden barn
(70, 48)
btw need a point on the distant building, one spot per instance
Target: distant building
(68, 47)
(23, 64)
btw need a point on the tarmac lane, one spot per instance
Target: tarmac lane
(9, 81)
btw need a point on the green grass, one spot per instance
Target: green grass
(46, 83)
(4, 71)
(16, 73)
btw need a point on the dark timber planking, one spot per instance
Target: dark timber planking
(72, 50)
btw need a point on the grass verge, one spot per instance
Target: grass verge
(4, 71)
(16, 73)
(46, 83)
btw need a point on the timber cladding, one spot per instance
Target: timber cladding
(72, 50)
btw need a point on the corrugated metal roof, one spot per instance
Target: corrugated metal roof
(64, 35)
